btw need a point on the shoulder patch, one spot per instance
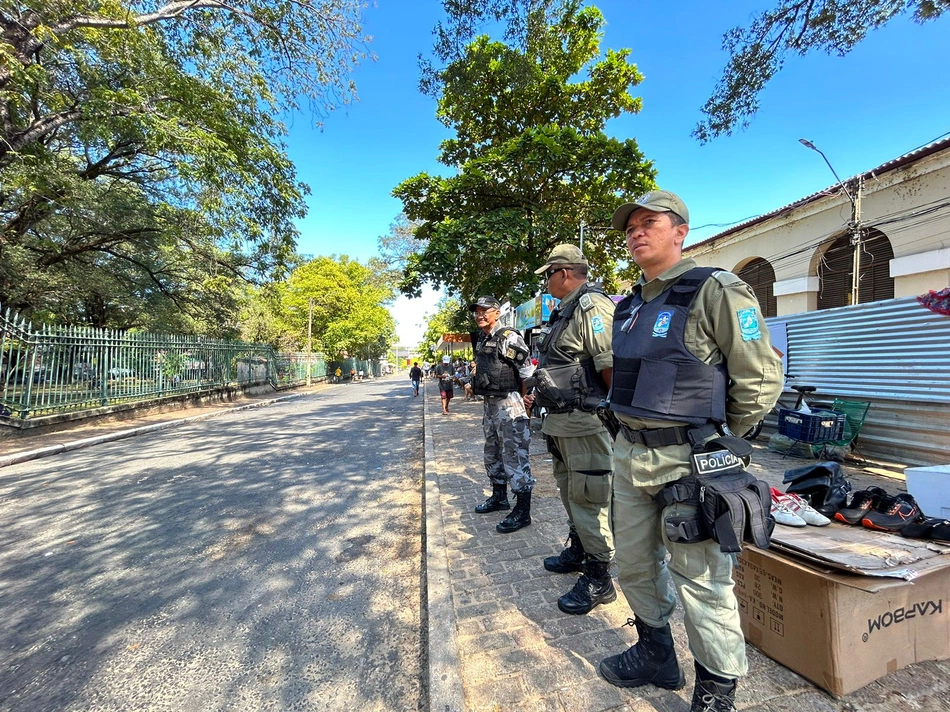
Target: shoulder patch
(726, 279)
(597, 324)
(749, 324)
(585, 302)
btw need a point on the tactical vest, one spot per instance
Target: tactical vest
(564, 381)
(655, 376)
(495, 374)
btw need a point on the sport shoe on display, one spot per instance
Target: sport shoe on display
(928, 528)
(862, 502)
(893, 513)
(782, 514)
(796, 505)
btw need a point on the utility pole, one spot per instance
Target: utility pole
(309, 338)
(582, 237)
(856, 241)
(854, 226)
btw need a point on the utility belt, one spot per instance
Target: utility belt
(661, 437)
(731, 505)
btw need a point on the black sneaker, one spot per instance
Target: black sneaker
(861, 503)
(928, 528)
(893, 513)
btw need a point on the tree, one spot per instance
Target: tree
(531, 156)
(757, 52)
(346, 300)
(396, 247)
(132, 128)
(449, 318)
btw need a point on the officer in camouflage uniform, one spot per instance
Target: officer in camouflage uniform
(575, 365)
(691, 354)
(501, 365)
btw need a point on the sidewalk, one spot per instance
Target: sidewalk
(497, 640)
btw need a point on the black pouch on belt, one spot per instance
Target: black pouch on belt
(731, 504)
(734, 505)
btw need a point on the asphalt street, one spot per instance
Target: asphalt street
(250, 561)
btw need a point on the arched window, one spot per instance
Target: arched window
(759, 275)
(836, 270)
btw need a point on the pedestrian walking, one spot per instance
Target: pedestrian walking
(575, 363)
(502, 364)
(445, 373)
(692, 354)
(415, 376)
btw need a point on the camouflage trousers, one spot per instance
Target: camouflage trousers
(507, 440)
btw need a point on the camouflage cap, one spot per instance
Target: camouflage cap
(485, 302)
(659, 201)
(563, 255)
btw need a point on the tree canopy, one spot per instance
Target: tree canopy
(450, 318)
(531, 158)
(141, 147)
(757, 52)
(346, 300)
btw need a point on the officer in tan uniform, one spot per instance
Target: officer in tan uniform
(573, 376)
(692, 354)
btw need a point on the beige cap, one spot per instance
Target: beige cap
(659, 201)
(563, 255)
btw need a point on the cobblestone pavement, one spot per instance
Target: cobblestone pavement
(513, 648)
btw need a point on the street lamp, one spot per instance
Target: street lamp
(854, 226)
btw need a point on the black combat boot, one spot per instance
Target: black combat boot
(571, 559)
(651, 661)
(520, 516)
(593, 587)
(497, 502)
(712, 693)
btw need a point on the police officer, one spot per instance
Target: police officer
(575, 364)
(691, 353)
(502, 364)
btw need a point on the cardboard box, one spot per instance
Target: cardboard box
(839, 630)
(930, 486)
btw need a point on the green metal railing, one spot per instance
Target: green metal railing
(55, 369)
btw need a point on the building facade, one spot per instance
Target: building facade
(889, 226)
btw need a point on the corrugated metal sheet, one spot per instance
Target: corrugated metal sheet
(895, 354)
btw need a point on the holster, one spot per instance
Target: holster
(608, 418)
(553, 448)
(732, 506)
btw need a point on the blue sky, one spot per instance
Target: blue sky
(887, 97)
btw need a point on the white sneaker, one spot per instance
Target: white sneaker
(801, 509)
(782, 514)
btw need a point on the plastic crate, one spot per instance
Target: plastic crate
(818, 426)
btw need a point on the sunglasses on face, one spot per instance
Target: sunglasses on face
(554, 270)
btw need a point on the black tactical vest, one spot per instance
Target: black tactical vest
(655, 376)
(575, 381)
(495, 375)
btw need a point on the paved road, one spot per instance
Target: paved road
(238, 563)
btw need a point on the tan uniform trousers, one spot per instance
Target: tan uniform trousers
(584, 481)
(701, 573)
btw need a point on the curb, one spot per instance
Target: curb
(129, 433)
(445, 682)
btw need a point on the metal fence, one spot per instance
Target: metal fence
(55, 369)
(893, 353)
